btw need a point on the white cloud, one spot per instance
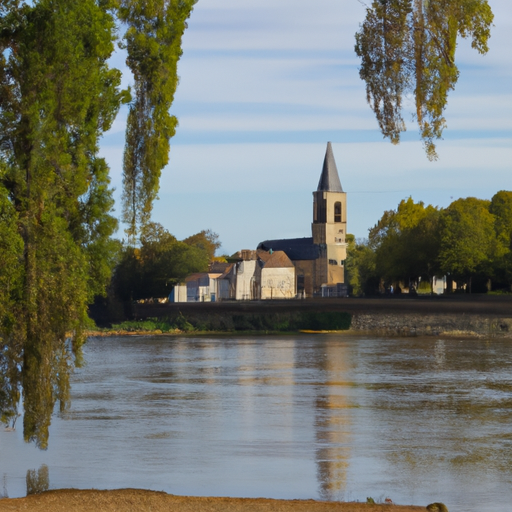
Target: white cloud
(271, 25)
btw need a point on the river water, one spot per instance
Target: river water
(330, 416)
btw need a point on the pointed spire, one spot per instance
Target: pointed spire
(329, 180)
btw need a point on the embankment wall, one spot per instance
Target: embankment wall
(479, 315)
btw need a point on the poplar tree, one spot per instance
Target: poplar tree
(407, 47)
(153, 43)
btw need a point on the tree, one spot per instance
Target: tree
(206, 240)
(423, 243)
(153, 42)
(58, 95)
(157, 265)
(408, 47)
(360, 267)
(467, 238)
(501, 208)
(11, 256)
(406, 243)
(167, 261)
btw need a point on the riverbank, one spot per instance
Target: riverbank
(457, 315)
(136, 500)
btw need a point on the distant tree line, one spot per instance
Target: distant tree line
(469, 242)
(159, 262)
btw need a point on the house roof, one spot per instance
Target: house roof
(217, 267)
(263, 255)
(329, 179)
(278, 259)
(227, 272)
(202, 275)
(295, 248)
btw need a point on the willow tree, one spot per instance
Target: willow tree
(407, 48)
(58, 95)
(153, 43)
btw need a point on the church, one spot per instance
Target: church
(319, 260)
(285, 268)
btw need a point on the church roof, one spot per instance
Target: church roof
(329, 179)
(295, 248)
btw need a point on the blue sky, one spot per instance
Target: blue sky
(264, 84)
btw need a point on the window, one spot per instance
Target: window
(337, 212)
(333, 262)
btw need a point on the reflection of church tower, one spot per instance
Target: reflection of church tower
(330, 223)
(333, 423)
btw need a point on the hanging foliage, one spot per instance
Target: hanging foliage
(153, 42)
(407, 47)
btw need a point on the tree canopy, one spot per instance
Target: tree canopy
(407, 47)
(160, 262)
(470, 239)
(467, 237)
(405, 241)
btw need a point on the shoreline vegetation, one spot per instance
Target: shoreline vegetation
(109, 333)
(139, 500)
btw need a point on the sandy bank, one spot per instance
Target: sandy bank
(124, 500)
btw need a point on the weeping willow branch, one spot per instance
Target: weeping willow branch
(407, 47)
(153, 42)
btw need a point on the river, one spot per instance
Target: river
(331, 416)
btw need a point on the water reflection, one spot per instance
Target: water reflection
(440, 354)
(447, 412)
(4, 493)
(38, 481)
(333, 421)
(327, 416)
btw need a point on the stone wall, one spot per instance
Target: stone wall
(437, 324)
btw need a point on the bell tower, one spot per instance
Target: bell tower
(330, 222)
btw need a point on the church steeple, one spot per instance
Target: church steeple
(329, 179)
(329, 226)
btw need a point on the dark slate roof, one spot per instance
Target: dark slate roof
(329, 179)
(295, 248)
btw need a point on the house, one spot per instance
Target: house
(202, 287)
(278, 277)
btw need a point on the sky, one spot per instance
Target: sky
(265, 84)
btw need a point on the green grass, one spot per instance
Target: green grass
(278, 322)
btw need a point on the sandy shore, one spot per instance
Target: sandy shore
(128, 500)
